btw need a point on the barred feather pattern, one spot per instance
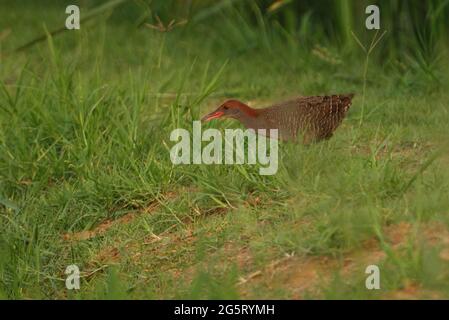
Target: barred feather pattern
(315, 117)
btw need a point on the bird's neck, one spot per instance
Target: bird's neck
(248, 111)
(252, 119)
(248, 116)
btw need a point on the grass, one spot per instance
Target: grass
(86, 177)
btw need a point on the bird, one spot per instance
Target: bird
(313, 117)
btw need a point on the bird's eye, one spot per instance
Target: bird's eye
(225, 107)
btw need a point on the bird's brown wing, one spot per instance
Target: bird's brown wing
(324, 114)
(315, 117)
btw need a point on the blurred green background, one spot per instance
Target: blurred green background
(416, 28)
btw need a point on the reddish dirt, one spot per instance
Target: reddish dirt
(108, 255)
(302, 275)
(412, 291)
(296, 275)
(103, 227)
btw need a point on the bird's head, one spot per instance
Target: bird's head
(231, 109)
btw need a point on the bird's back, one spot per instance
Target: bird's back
(314, 117)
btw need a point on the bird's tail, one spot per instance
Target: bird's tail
(347, 96)
(346, 100)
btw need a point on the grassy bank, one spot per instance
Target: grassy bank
(86, 176)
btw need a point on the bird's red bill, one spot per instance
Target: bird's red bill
(213, 115)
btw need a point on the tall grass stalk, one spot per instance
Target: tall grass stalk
(374, 41)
